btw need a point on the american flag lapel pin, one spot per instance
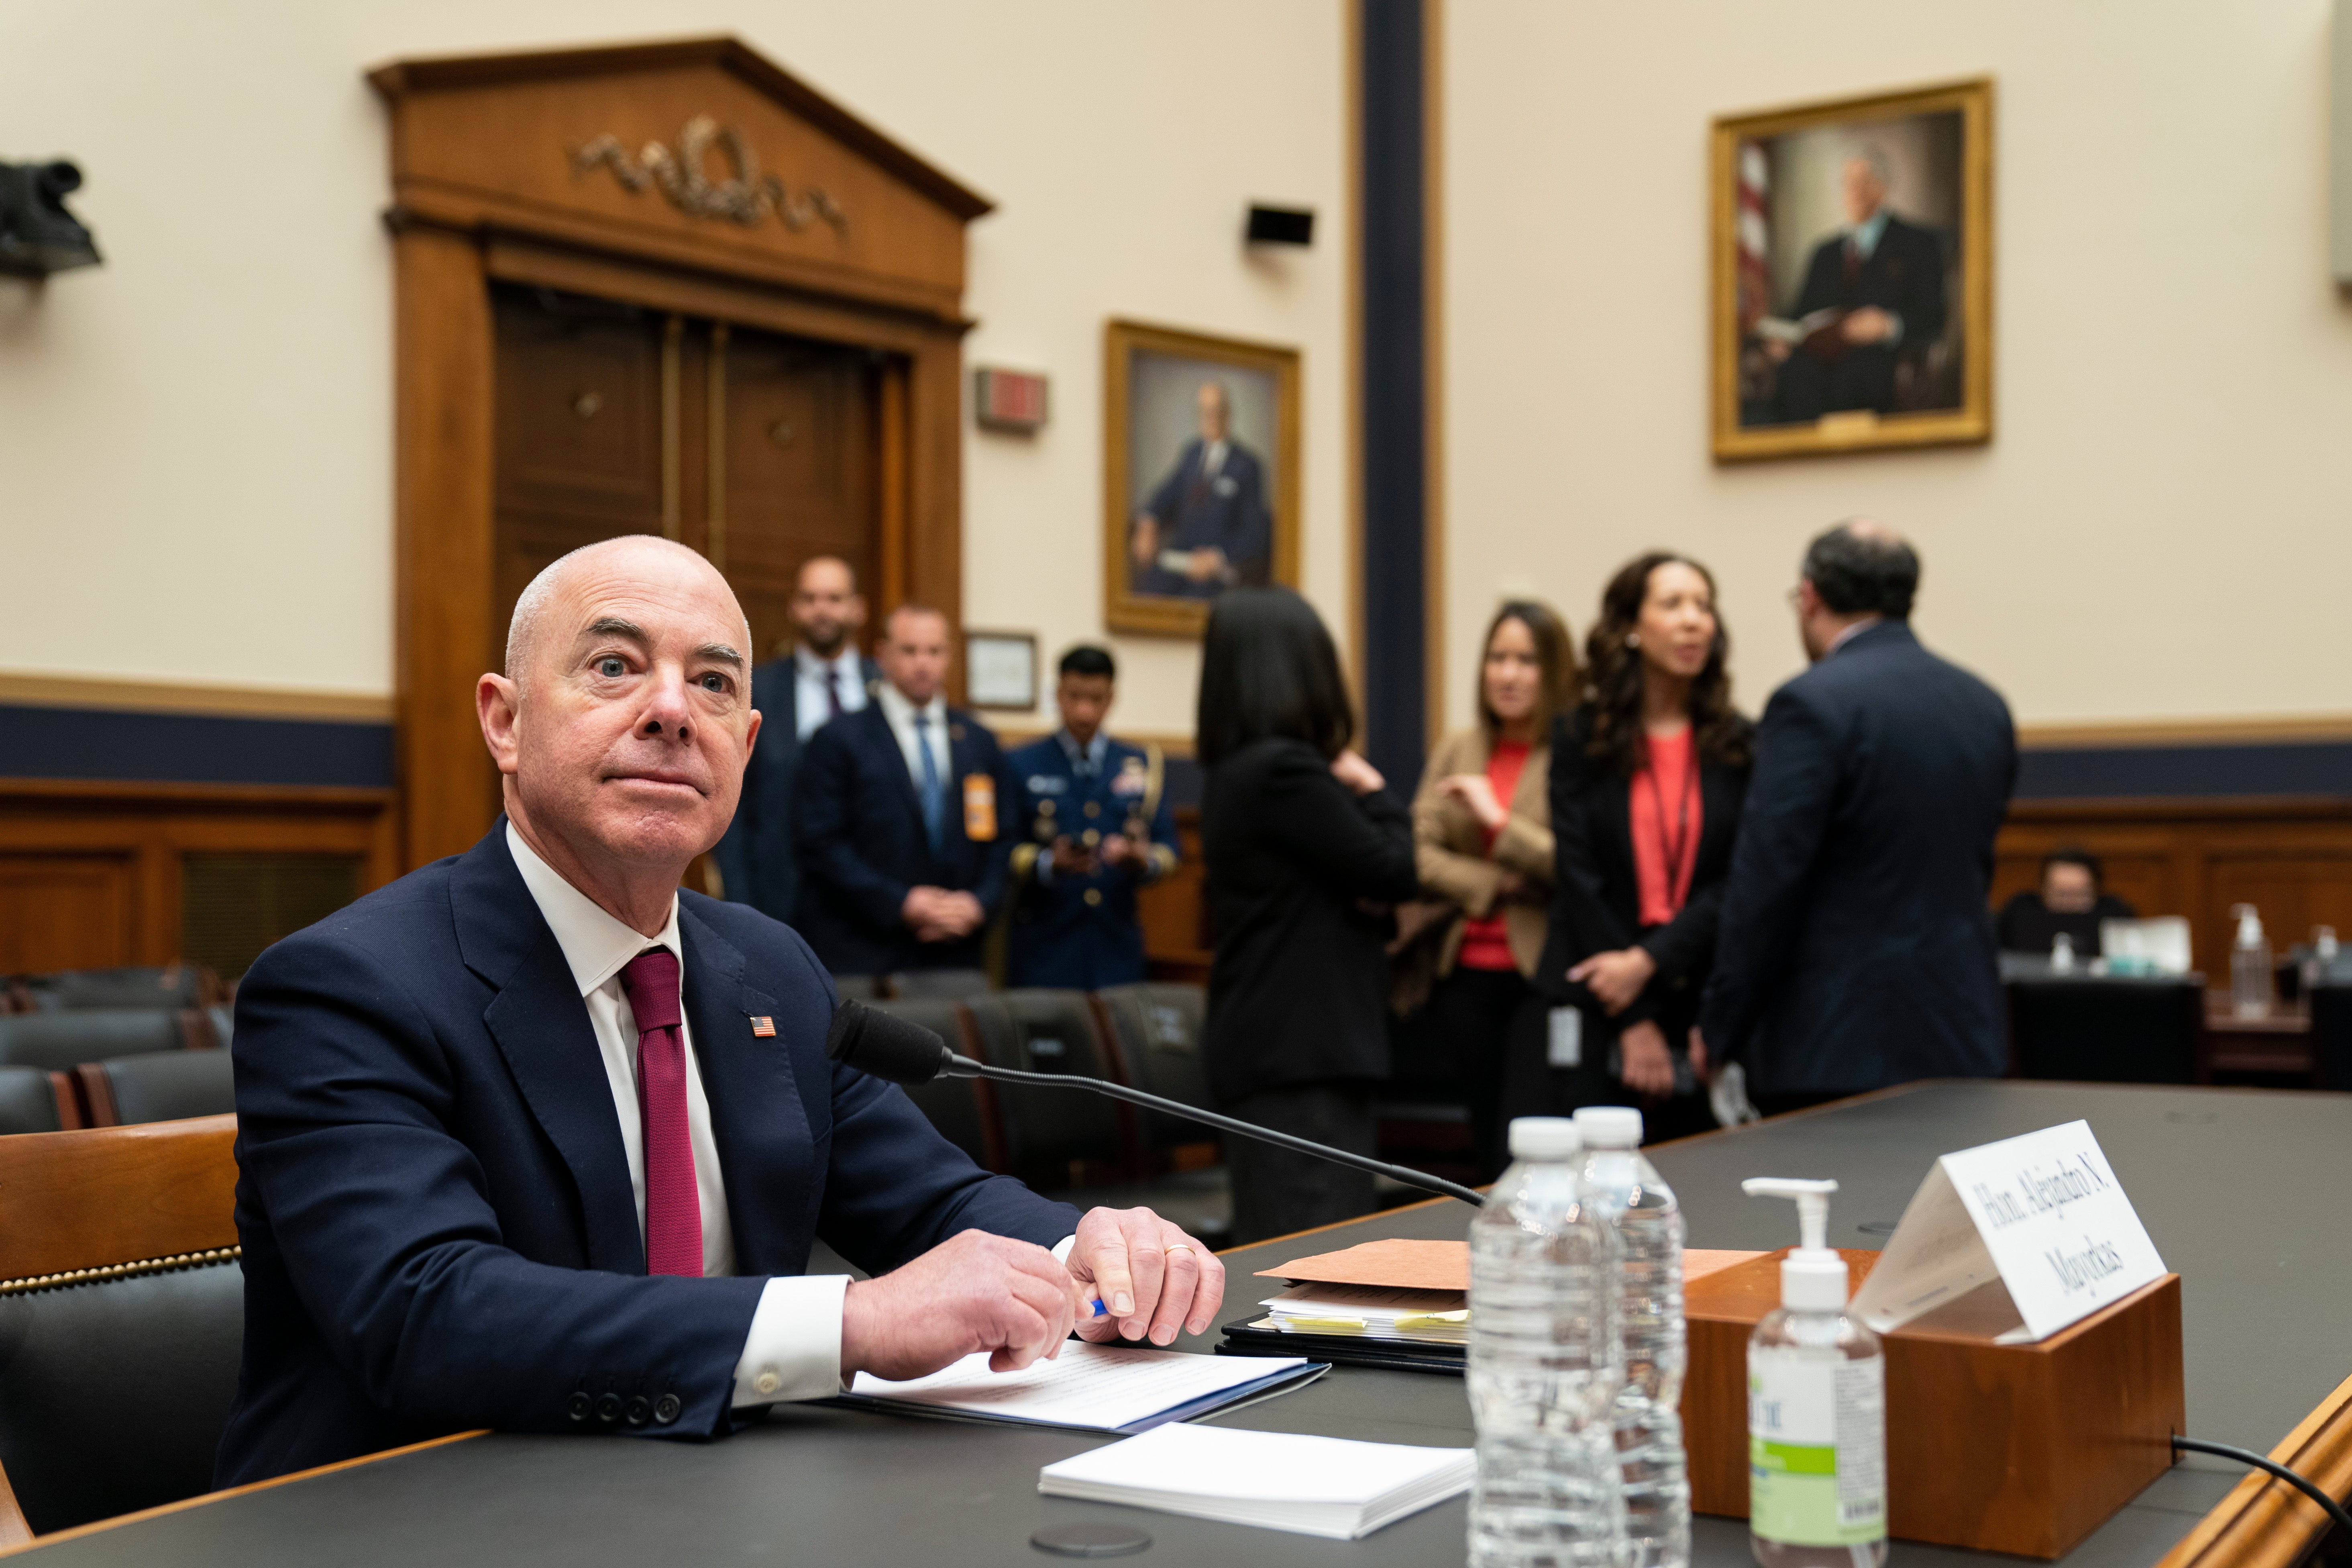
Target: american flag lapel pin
(763, 1026)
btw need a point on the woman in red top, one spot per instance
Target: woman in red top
(1483, 849)
(1647, 779)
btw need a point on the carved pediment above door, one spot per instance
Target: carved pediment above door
(701, 151)
(745, 242)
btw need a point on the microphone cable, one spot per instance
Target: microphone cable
(2247, 1456)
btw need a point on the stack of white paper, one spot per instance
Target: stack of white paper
(1312, 1486)
(1373, 1312)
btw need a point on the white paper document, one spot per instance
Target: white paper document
(1101, 1388)
(1312, 1486)
(2043, 1214)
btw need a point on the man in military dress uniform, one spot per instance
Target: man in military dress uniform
(1099, 828)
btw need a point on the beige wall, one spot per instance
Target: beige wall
(2158, 529)
(195, 440)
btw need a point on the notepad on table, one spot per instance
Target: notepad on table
(1090, 1387)
(1312, 1486)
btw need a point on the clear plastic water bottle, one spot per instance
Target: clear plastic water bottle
(2251, 977)
(1546, 1364)
(1627, 1189)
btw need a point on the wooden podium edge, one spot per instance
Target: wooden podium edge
(2264, 1522)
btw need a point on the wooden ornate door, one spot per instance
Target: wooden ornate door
(758, 449)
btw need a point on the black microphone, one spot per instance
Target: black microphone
(888, 1047)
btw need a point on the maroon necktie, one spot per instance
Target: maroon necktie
(833, 689)
(673, 1207)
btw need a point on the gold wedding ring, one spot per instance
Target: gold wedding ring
(1173, 1251)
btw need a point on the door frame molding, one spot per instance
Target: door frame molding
(469, 208)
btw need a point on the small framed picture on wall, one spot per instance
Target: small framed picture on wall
(1000, 670)
(1200, 474)
(1852, 272)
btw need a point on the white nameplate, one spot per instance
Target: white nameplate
(2043, 1214)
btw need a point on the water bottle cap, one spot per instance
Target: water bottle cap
(1544, 1138)
(1610, 1127)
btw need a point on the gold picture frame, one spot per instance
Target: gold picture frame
(1801, 364)
(1237, 525)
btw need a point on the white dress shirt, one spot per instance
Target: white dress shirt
(793, 1350)
(1212, 459)
(901, 715)
(815, 678)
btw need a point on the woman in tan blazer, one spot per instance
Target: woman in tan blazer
(1483, 848)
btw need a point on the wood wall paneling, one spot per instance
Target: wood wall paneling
(2292, 859)
(91, 874)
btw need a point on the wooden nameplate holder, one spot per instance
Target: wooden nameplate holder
(2018, 1449)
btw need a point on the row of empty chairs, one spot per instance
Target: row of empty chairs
(1147, 1036)
(88, 1059)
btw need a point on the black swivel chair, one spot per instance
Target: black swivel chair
(64, 1039)
(962, 1108)
(1156, 1031)
(1049, 1131)
(121, 1319)
(158, 1086)
(2110, 1030)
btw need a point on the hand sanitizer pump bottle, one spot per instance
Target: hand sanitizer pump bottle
(2250, 979)
(1816, 1409)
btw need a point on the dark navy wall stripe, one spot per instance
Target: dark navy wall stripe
(1394, 430)
(2174, 772)
(191, 748)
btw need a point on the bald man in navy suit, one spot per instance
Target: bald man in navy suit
(532, 1140)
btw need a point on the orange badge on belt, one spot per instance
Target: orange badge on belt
(980, 809)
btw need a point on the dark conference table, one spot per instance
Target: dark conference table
(2242, 1190)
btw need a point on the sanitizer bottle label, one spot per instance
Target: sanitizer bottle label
(1816, 1447)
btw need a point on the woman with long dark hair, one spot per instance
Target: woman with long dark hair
(1482, 834)
(1303, 852)
(1648, 777)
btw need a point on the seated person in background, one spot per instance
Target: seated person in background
(532, 1140)
(1099, 826)
(2072, 898)
(895, 812)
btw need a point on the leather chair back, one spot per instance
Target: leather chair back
(169, 987)
(962, 1108)
(2106, 1031)
(122, 1317)
(1156, 1030)
(33, 1100)
(158, 1086)
(62, 1040)
(952, 984)
(1048, 1130)
(2331, 1034)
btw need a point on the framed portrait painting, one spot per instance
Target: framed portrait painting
(1852, 274)
(1200, 474)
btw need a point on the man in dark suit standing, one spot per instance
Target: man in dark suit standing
(822, 678)
(1856, 944)
(897, 812)
(532, 1140)
(1884, 280)
(1206, 528)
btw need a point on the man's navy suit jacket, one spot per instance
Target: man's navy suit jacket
(438, 1225)
(1855, 948)
(859, 821)
(1197, 511)
(758, 860)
